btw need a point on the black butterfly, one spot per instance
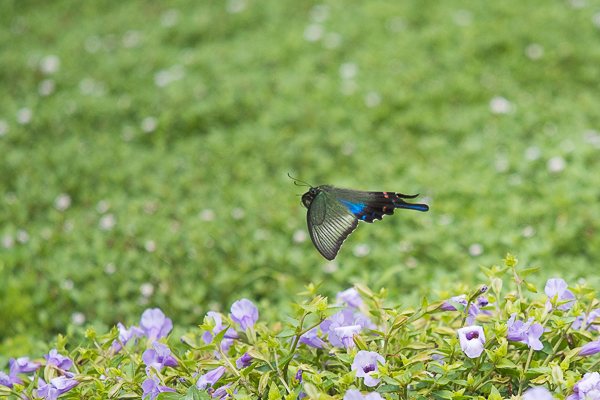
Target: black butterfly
(333, 213)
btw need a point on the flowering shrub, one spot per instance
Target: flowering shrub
(502, 340)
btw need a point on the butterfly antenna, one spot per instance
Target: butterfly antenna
(298, 180)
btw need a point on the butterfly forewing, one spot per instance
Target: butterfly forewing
(329, 224)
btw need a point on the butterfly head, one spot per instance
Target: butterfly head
(309, 196)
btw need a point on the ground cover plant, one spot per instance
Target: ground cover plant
(144, 149)
(501, 340)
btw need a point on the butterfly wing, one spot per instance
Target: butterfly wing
(369, 206)
(329, 224)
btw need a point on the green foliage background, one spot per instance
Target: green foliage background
(390, 96)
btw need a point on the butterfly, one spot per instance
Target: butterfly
(333, 213)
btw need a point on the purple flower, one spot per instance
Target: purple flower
(298, 375)
(218, 328)
(589, 320)
(588, 388)
(125, 335)
(245, 313)
(56, 387)
(525, 332)
(537, 393)
(354, 394)
(312, 339)
(450, 305)
(472, 340)
(345, 335)
(210, 378)
(350, 297)
(343, 325)
(9, 380)
(155, 324)
(440, 358)
(22, 365)
(590, 348)
(244, 361)
(58, 360)
(558, 288)
(152, 388)
(159, 357)
(366, 363)
(220, 393)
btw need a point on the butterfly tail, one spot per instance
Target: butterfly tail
(411, 206)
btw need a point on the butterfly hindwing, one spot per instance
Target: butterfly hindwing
(329, 223)
(369, 206)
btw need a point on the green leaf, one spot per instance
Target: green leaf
(494, 394)
(274, 393)
(194, 393)
(528, 271)
(170, 396)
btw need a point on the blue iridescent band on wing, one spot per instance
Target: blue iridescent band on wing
(354, 208)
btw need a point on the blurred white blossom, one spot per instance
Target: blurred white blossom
(361, 250)
(149, 124)
(169, 18)
(556, 164)
(107, 222)
(500, 105)
(235, 6)
(534, 51)
(476, 249)
(46, 87)
(78, 318)
(3, 127)
(299, 236)
(146, 289)
(50, 64)
(62, 202)
(24, 116)
(313, 32)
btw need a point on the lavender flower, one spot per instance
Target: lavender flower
(152, 388)
(244, 361)
(588, 388)
(537, 393)
(312, 339)
(210, 378)
(56, 387)
(9, 380)
(155, 324)
(366, 363)
(354, 394)
(449, 305)
(22, 365)
(343, 325)
(525, 332)
(590, 348)
(345, 335)
(125, 335)
(298, 375)
(218, 328)
(58, 360)
(351, 297)
(220, 393)
(589, 320)
(159, 357)
(558, 288)
(245, 313)
(472, 340)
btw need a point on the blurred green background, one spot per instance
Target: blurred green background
(144, 148)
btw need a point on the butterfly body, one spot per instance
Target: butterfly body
(333, 213)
